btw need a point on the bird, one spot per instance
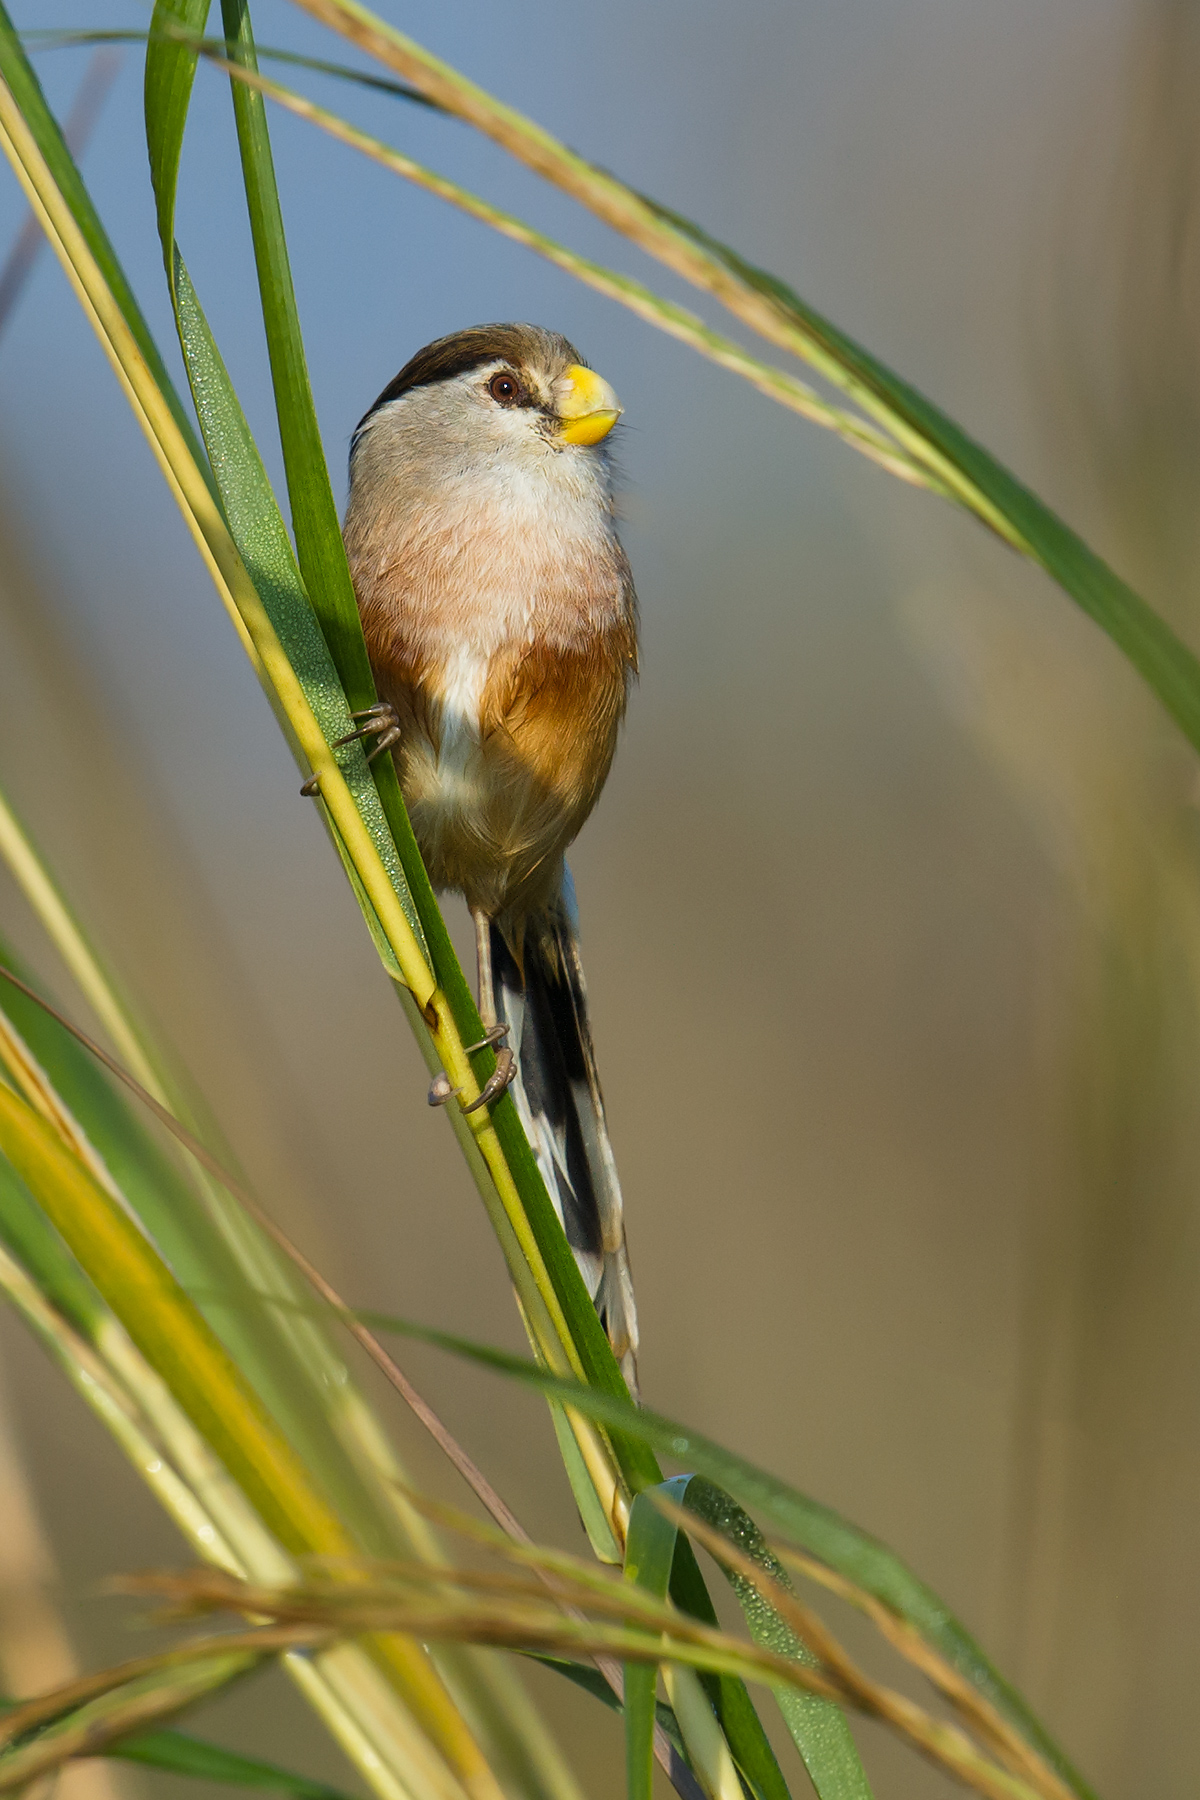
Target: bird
(501, 623)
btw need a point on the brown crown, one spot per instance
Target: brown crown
(518, 345)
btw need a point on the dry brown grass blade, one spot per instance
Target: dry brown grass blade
(485, 1608)
(125, 1707)
(523, 1549)
(989, 1725)
(268, 1640)
(942, 1744)
(499, 1610)
(355, 1595)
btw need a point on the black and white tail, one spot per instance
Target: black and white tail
(557, 1094)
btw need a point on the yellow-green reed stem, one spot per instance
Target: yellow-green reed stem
(67, 936)
(365, 1439)
(703, 1736)
(91, 1374)
(341, 1684)
(177, 1342)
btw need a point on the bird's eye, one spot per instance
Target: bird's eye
(505, 388)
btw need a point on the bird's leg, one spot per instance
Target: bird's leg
(487, 980)
(381, 721)
(494, 1032)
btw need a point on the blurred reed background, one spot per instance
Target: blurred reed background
(965, 835)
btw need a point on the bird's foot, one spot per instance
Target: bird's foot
(381, 721)
(497, 1083)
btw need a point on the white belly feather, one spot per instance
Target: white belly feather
(456, 779)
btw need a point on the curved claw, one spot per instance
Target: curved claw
(382, 710)
(382, 719)
(498, 1081)
(391, 736)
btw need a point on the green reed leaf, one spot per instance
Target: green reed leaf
(180, 1754)
(659, 1544)
(167, 92)
(294, 1373)
(653, 1548)
(314, 515)
(649, 1553)
(169, 1330)
(28, 1233)
(155, 1188)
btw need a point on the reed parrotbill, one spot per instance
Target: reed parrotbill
(501, 622)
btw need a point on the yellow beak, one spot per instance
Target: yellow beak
(587, 406)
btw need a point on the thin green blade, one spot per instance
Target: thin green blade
(649, 1553)
(26, 1231)
(314, 515)
(167, 92)
(660, 1559)
(262, 540)
(182, 1754)
(730, 1697)
(148, 1178)
(62, 38)
(820, 1730)
(169, 1208)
